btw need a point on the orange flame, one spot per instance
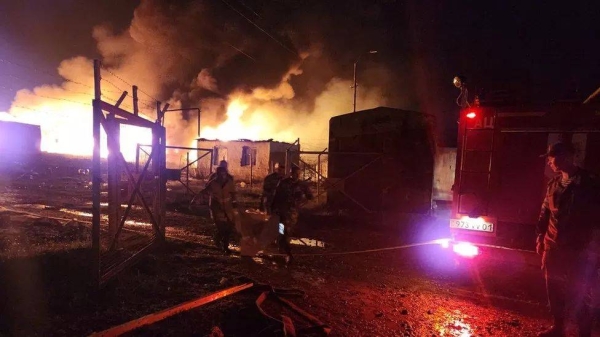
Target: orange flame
(234, 127)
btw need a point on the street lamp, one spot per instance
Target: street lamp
(355, 63)
(197, 109)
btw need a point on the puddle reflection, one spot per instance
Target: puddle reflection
(104, 217)
(454, 326)
(308, 242)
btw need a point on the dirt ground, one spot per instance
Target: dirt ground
(47, 287)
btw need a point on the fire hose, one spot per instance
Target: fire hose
(268, 292)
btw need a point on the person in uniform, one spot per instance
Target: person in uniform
(224, 164)
(286, 201)
(269, 187)
(222, 203)
(567, 239)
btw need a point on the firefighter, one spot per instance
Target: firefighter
(567, 234)
(269, 187)
(222, 163)
(222, 203)
(288, 195)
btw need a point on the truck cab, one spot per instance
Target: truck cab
(500, 179)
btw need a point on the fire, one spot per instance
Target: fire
(234, 127)
(67, 129)
(6, 117)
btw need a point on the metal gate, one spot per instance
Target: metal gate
(331, 184)
(128, 231)
(176, 173)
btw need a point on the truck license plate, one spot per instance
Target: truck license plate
(472, 225)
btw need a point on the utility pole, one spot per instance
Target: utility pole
(355, 85)
(355, 63)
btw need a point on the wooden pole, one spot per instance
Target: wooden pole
(187, 170)
(163, 181)
(96, 174)
(159, 316)
(113, 176)
(135, 100)
(120, 100)
(137, 158)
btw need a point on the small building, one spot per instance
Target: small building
(381, 160)
(247, 159)
(17, 139)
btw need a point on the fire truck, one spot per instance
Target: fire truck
(500, 178)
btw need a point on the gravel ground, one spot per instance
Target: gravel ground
(45, 282)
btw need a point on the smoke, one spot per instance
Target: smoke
(201, 54)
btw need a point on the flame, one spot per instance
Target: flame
(6, 117)
(234, 127)
(67, 129)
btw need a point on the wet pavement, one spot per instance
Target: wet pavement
(360, 281)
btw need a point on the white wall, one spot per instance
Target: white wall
(232, 152)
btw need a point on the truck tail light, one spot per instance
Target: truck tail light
(466, 249)
(471, 115)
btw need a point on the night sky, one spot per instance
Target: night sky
(540, 51)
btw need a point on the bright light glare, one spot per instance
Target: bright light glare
(471, 115)
(6, 117)
(444, 243)
(466, 249)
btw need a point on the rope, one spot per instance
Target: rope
(365, 251)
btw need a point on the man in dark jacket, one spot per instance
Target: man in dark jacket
(269, 187)
(286, 200)
(567, 232)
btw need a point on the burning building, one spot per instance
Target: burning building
(382, 160)
(246, 159)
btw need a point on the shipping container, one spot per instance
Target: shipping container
(381, 160)
(18, 139)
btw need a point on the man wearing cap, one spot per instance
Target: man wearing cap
(286, 201)
(567, 236)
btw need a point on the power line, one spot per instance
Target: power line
(128, 94)
(249, 8)
(45, 73)
(61, 99)
(131, 85)
(257, 26)
(241, 51)
(56, 98)
(53, 86)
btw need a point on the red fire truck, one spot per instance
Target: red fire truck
(500, 178)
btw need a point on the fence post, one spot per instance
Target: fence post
(318, 178)
(135, 100)
(113, 177)
(96, 174)
(187, 171)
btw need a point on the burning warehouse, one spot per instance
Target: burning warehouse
(246, 159)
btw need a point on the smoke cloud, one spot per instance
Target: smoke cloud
(290, 80)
